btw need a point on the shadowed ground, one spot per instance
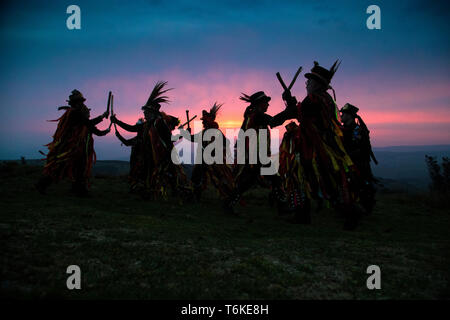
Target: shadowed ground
(129, 248)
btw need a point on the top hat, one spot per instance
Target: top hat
(321, 74)
(256, 97)
(349, 108)
(76, 96)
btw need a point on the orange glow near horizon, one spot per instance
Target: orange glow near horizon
(230, 124)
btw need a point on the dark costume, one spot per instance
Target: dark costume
(313, 161)
(246, 175)
(156, 132)
(220, 175)
(137, 160)
(71, 153)
(357, 144)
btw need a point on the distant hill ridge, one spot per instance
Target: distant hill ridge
(402, 164)
(418, 148)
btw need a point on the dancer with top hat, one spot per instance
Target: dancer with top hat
(316, 159)
(71, 153)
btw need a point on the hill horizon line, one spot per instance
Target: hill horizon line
(392, 148)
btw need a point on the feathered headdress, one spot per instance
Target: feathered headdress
(157, 96)
(245, 97)
(212, 112)
(334, 67)
(333, 70)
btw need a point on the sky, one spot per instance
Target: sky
(399, 76)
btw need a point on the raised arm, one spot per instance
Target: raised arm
(98, 132)
(126, 142)
(289, 113)
(125, 126)
(95, 121)
(90, 123)
(281, 117)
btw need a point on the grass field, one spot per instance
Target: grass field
(134, 249)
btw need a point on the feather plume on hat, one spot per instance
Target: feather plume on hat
(257, 96)
(335, 67)
(213, 111)
(157, 96)
(245, 97)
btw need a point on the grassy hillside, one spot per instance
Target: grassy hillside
(129, 248)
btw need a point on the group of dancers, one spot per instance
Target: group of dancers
(324, 157)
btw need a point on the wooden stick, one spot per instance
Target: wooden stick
(295, 78)
(109, 103)
(281, 81)
(187, 118)
(187, 122)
